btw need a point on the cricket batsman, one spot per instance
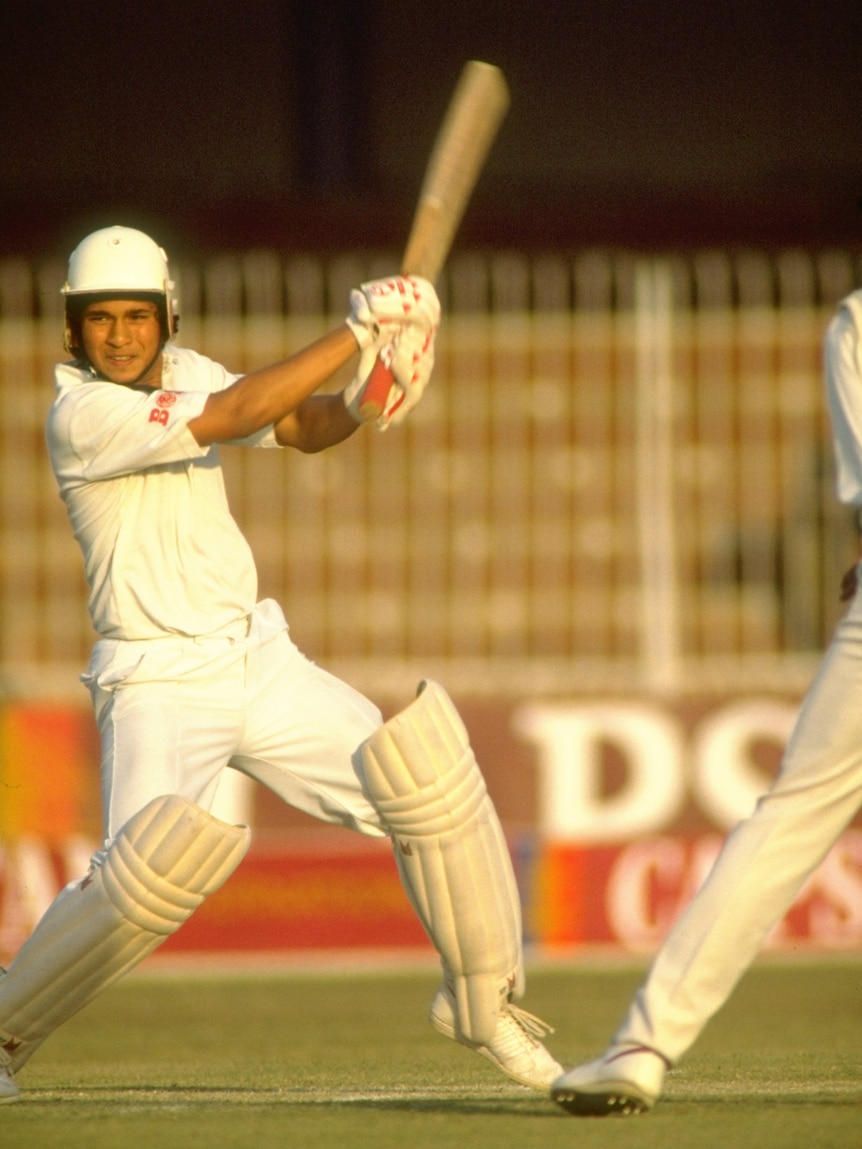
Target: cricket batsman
(191, 675)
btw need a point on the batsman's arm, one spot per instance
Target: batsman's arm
(320, 421)
(274, 394)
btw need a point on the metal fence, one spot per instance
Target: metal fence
(619, 479)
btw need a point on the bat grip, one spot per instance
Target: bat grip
(373, 401)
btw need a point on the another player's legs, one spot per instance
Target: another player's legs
(625, 1080)
(756, 878)
(149, 880)
(455, 866)
(8, 1088)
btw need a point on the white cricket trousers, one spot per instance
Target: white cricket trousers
(173, 713)
(765, 860)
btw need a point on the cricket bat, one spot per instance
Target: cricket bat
(476, 110)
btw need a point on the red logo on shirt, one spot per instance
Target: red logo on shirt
(159, 413)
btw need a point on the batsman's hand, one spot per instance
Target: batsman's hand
(361, 321)
(353, 392)
(411, 360)
(383, 304)
(409, 355)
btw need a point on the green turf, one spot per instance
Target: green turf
(346, 1061)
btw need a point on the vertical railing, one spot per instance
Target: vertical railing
(620, 475)
(655, 451)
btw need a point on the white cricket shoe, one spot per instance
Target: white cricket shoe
(626, 1079)
(8, 1088)
(515, 1049)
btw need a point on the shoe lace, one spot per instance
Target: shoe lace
(534, 1027)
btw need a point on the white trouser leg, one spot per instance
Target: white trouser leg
(764, 862)
(302, 734)
(173, 716)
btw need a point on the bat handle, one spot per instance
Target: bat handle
(373, 401)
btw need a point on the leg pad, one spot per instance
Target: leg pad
(162, 864)
(451, 852)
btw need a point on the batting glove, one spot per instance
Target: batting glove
(399, 299)
(411, 361)
(361, 321)
(355, 389)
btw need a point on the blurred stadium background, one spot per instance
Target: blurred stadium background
(609, 529)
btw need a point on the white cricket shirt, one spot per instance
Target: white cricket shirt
(147, 504)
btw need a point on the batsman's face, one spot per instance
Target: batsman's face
(122, 339)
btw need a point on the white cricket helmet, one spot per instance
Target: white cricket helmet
(118, 259)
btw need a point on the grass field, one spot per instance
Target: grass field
(346, 1060)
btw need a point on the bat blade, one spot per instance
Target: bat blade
(476, 110)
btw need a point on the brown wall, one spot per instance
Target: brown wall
(305, 125)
